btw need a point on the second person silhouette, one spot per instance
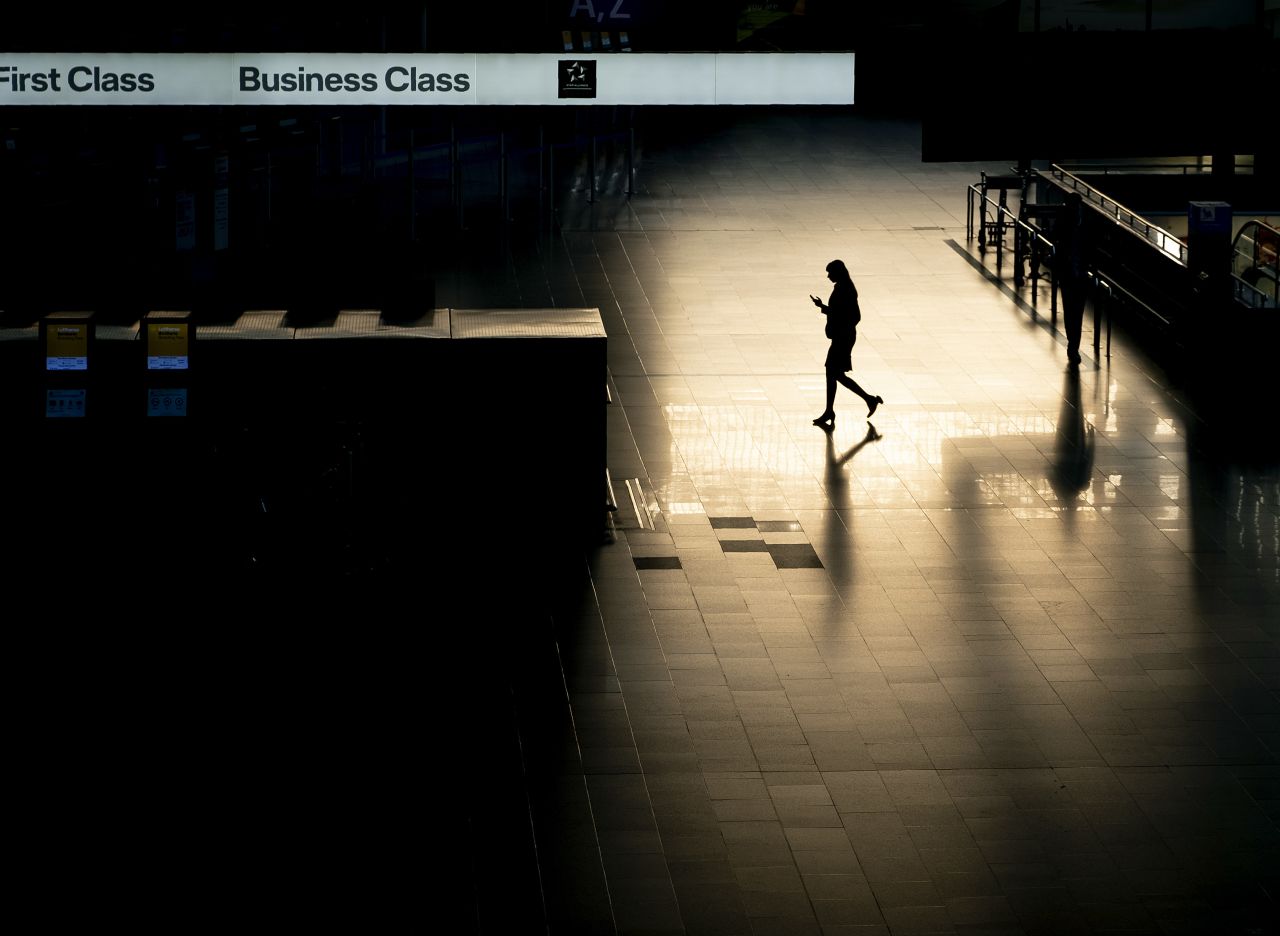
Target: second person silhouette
(843, 315)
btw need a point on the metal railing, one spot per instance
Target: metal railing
(1256, 249)
(1028, 241)
(1031, 243)
(1155, 168)
(1129, 220)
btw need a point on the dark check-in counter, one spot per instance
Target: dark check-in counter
(429, 434)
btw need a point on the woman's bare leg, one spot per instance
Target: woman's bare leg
(871, 401)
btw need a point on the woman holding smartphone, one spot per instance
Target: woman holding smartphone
(843, 315)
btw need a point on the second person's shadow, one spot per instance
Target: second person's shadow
(1073, 443)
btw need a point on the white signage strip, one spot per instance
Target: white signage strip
(253, 79)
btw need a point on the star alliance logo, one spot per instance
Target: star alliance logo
(577, 78)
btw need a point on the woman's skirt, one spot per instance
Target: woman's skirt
(840, 356)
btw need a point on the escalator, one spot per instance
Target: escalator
(1255, 265)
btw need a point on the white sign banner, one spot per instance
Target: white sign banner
(253, 79)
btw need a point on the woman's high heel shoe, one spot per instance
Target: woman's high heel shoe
(826, 420)
(872, 406)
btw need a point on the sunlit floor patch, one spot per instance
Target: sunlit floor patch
(778, 526)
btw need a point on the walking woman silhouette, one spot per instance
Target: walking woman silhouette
(843, 315)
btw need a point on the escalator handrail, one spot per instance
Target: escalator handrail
(1264, 289)
(1170, 245)
(1261, 225)
(1269, 278)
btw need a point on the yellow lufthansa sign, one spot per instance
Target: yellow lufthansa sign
(67, 347)
(167, 346)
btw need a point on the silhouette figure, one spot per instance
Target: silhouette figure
(843, 315)
(1071, 270)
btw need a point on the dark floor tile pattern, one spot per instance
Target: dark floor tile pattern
(794, 556)
(784, 555)
(743, 546)
(657, 562)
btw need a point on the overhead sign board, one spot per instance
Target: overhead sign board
(450, 79)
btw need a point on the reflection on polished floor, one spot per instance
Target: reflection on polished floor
(1005, 661)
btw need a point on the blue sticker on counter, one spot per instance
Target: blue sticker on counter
(65, 404)
(167, 401)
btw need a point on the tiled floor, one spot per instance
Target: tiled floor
(1005, 662)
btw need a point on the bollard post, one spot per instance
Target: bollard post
(67, 342)
(455, 176)
(1019, 246)
(999, 239)
(413, 212)
(1099, 288)
(1053, 293)
(591, 171)
(502, 175)
(1109, 324)
(631, 149)
(169, 341)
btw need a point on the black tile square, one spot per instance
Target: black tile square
(779, 526)
(744, 546)
(732, 523)
(794, 556)
(657, 562)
